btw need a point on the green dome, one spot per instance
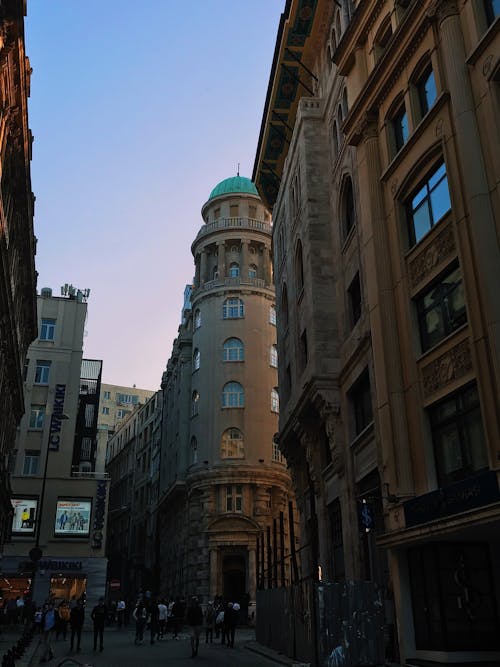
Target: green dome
(234, 184)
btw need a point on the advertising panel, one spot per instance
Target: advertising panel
(24, 517)
(73, 517)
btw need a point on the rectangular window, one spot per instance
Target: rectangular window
(354, 297)
(47, 329)
(238, 498)
(429, 204)
(276, 454)
(361, 401)
(107, 395)
(105, 411)
(31, 460)
(234, 211)
(229, 498)
(272, 314)
(458, 437)
(252, 212)
(42, 372)
(37, 416)
(441, 309)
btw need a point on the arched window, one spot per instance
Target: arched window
(284, 306)
(194, 450)
(383, 37)
(232, 444)
(197, 318)
(275, 400)
(195, 403)
(196, 360)
(348, 210)
(335, 140)
(233, 395)
(233, 309)
(234, 350)
(273, 356)
(340, 121)
(299, 268)
(252, 271)
(234, 270)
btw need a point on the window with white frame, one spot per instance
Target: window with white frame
(47, 329)
(196, 360)
(234, 350)
(272, 314)
(105, 410)
(37, 416)
(233, 308)
(233, 395)
(42, 371)
(252, 271)
(234, 498)
(234, 270)
(31, 462)
(273, 360)
(197, 318)
(277, 456)
(107, 395)
(275, 400)
(232, 444)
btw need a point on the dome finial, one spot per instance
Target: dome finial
(238, 172)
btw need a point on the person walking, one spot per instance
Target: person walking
(49, 620)
(195, 621)
(230, 622)
(120, 613)
(162, 619)
(153, 615)
(76, 619)
(99, 615)
(139, 615)
(209, 623)
(64, 613)
(178, 610)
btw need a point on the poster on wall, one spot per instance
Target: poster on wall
(72, 517)
(24, 518)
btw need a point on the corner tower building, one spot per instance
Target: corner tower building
(224, 485)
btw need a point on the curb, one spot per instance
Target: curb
(269, 653)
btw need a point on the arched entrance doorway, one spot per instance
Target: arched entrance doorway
(234, 577)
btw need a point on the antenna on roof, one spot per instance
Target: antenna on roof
(238, 172)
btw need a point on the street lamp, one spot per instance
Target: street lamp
(36, 552)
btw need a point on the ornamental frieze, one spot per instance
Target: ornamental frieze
(437, 252)
(450, 366)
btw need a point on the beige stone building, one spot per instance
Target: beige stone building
(223, 482)
(17, 240)
(59, 502)
(378, 157)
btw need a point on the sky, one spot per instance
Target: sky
(138, 110)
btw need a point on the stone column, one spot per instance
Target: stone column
(389, 396)
(197, 270)
(481, 229)
(213, 573)
(203, 267)
(244, 259)
(221, 259)
(252, 579)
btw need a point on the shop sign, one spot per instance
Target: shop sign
(24, 517)
(55, 421)
(72, 517)
(100, 507)
(465, 495)
(57, 565)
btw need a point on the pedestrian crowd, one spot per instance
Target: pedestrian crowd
(155, 617)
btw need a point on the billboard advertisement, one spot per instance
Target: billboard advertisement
(24, 518)
(73, 517)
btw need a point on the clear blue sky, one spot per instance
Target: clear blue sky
(138, 110)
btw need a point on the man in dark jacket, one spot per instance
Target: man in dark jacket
(99, 615)
(195, 621)
(230, 621)
(76, 618)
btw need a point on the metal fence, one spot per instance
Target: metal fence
(324, 624)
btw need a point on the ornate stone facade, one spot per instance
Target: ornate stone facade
(17, 241)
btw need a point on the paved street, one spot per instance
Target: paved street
(120, 651)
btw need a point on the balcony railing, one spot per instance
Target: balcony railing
(231, 223)
(232, 282)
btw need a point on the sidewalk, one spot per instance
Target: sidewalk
(271, 654)
(9, 636)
